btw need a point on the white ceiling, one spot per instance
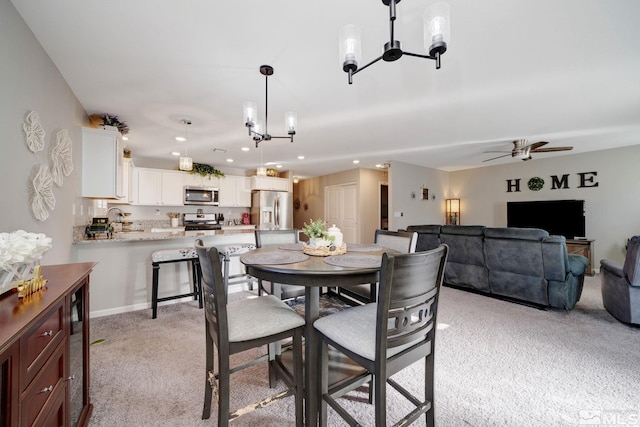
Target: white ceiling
(564, 71)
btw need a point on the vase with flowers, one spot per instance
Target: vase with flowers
(20, 254)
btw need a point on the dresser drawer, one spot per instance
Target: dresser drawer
(45, 387)
(39, 342)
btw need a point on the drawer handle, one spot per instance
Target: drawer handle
(47, 333)
(72, 377)
(47, 389)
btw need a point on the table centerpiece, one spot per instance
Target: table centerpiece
(321, 243)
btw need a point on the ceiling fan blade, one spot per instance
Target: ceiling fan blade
(494, 158)
(537, 145)
(550, 149)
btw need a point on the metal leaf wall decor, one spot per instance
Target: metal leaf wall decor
(61, 157)
(34, 132)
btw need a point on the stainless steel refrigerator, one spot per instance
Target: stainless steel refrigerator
(271, 210)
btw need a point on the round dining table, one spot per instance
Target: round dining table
(285, 265)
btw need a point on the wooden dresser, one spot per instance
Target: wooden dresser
(44, 351)
(582, 247)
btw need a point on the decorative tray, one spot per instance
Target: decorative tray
(324, 250)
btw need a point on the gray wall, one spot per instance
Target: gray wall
(30, 81)
(612, 208)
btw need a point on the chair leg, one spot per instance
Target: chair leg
(298, 376)
(224, 387)
(206, 408)
(428, 389)
(380, 399)
(154, 291)
(324, 383)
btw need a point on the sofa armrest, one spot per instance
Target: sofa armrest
(612, 267)
(577, 264)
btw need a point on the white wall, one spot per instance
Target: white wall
(612, 208)
(407, 180)
(30, 81)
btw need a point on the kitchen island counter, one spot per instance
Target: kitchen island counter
(121, 281)
(136, 236)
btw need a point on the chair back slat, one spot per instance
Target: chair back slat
(409, 290)
(401, 241)
(276, 237)
(213, 290)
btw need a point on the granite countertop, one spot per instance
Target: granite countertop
(136, 236)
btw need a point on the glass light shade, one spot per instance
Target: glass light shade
(186, 163)
(350, 44)
(436, 25)
(250, 112)
(290, 122)
(453, 206)
(261, 171)
(257, 128)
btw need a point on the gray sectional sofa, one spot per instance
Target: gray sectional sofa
(525, 264)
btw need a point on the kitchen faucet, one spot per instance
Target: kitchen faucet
(120, 215)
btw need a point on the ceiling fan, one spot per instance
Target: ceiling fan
(523, 150)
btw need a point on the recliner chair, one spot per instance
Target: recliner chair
(620, 285)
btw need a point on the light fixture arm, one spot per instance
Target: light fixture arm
(392, 50)
(290, 118)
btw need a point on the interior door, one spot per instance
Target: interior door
(341, 209)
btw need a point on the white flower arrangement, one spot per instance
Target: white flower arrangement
(19, 250)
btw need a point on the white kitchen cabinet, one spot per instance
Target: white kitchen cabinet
(102, 164)
(235, 191)
(158, 187)
(127, 178)
(172, 188)
(270, 183)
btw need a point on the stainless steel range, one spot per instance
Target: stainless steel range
(200, 221)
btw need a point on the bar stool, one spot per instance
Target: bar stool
(234, 250)
(175, 255)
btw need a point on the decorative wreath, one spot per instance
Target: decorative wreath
(536, 183)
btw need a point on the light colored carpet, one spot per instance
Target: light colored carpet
(497, 363)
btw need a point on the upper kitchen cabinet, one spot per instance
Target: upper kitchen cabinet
(158, 187)
(102, 164)
(235, 191)
(270, 183)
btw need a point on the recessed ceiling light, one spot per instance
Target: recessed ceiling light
(181, 138)
(300, 157)
(356, 161)
(279, 166)
(175, 153)
(245, 148)
(229, 160)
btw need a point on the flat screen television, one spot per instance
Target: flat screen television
(563, 217)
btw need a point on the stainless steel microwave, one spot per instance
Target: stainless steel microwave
(201, 196)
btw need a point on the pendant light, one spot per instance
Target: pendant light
(436, 37)
(250, 115)
(186, 162)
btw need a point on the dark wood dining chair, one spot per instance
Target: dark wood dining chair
(274, 238)
(403, 242)
(239, 326)
(387, 336)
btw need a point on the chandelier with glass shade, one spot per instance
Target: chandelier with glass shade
(436, 37)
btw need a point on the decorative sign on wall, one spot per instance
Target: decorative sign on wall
(585, 180)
